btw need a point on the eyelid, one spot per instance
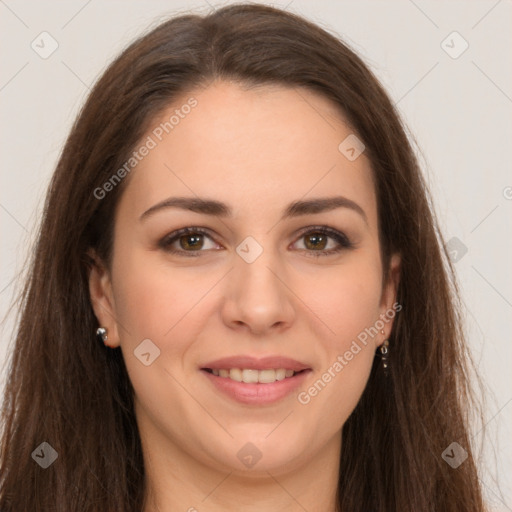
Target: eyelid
(332, 232)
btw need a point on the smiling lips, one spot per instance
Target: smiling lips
(251, 376)
(256, 381)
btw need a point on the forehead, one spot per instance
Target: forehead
(256, 149)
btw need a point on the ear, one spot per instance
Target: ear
(389, 307)
(102, 300)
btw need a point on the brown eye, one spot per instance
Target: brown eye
(192, 242)
(316, 240)
(187, 241)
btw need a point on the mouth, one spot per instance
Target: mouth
(256, 387)
(253, 376)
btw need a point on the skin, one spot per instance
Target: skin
(256, 150)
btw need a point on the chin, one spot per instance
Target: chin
(256, 453)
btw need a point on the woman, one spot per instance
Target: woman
(239, 298)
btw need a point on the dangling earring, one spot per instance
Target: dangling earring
(101, 334)
(384, 351)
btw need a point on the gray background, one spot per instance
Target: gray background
(457, 109)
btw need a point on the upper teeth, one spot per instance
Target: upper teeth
(254, 376)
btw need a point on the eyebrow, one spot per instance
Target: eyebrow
(219, 209)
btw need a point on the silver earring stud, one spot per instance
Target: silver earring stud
(101, 334)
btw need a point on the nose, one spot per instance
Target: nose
(257, 297)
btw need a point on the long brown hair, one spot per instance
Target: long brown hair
(67, 389)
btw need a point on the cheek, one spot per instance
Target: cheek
(152, 299)
(350, 308)
(349, 302)
(156, 303)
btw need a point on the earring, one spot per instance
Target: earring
(101, 334)
(384, 351)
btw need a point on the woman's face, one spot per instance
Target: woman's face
(252, 284)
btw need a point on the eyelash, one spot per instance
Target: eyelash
(340, 238)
